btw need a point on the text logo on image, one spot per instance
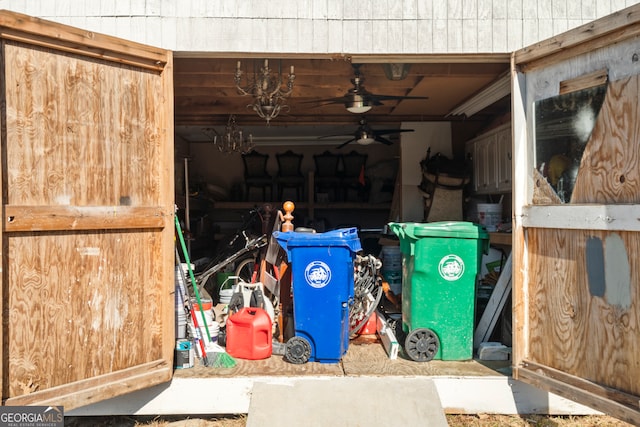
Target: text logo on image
(31, 416)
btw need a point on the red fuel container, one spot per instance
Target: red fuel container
(249, 334)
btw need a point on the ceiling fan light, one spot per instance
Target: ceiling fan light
(359, 105)
(366, 140)
(359, 109)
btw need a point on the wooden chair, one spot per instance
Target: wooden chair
(289, 174)
(353, 180)
(255, 174)
(327, 179)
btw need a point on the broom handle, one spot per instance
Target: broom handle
(194, 318)
(193, 278)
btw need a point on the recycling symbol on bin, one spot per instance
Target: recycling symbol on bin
(451, 267)
(317, 274)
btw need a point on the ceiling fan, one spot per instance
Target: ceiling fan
(357, 99)
(365, 134)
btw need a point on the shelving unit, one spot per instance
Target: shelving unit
(221, 218)
(309, 206)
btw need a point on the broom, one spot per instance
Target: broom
(198, 338)
(217, 357)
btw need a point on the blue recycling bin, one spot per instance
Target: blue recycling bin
(322, 286)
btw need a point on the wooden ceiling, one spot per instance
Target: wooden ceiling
(205, 92)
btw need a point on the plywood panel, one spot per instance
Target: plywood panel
(81, 133)
(81, 305)
(610, 168)
(582, 323)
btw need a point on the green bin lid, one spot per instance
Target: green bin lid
(451, 229)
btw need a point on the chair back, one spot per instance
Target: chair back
(353, 163)
(289, 163)
(255, 164)
(326, 164)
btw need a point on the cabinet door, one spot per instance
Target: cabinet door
(486, 164)
(470, 155)
(504, 156)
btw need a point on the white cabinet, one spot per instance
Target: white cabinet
(504, 156)
(491, 160)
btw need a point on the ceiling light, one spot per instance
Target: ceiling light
(233, 139)
(365, 141)
(365, 138)
(267, 90)
(396, 71)
(486, 97)
(358, 104)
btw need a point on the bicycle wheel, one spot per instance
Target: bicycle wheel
(367, 293)
(245, 269)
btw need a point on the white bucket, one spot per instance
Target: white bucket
(490, 215)
(181, 323)
(226, 289)
(214, 330)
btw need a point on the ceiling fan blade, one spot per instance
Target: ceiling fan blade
(384, 141)
(388, 131)
(326, 101)
(334, 135)
(394, 98)
(345, 143)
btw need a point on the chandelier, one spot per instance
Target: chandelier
(267, 90)
(233, 140)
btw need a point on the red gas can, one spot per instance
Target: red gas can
(249, 334)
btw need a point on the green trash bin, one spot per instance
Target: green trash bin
(440, 262)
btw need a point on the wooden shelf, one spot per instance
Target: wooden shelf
(503, 239)
(309, 205)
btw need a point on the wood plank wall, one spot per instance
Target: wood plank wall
(334, 26)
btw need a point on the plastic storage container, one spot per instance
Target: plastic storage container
(440, 264)
(249, 334)
(322, 287)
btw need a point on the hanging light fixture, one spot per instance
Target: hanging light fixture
(365, 137)
(266, 89)
(233, 139)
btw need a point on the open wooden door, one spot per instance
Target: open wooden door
(87, 198)
(576, 259)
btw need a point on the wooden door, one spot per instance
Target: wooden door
(87, 197)
(576, 263)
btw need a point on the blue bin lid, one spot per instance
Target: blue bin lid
(453, 229)
(344, 237)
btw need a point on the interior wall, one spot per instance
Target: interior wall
(413, 148)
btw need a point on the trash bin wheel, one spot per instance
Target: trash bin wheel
(421, 344)
(297, 350)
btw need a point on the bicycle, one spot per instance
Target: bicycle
(242, 248)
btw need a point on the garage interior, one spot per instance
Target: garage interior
(466, 90)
